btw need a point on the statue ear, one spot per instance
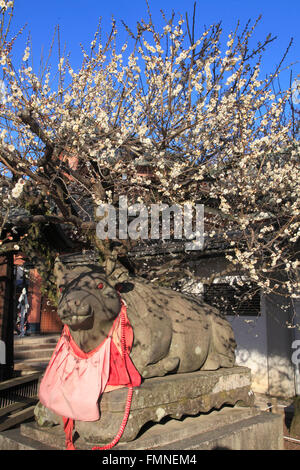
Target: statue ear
(120, 275)
(109, 265)
(115, 272)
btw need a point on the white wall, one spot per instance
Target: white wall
(264, 344)
(251, 337)
(279, 314)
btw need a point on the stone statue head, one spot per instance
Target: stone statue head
(85, 289)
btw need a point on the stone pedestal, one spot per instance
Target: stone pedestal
(232, 428)
(171, 396)
(198, 402)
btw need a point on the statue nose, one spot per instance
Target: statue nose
(77, 302)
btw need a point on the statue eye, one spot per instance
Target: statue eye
(100, 285)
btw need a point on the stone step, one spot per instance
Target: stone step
(34, 353)
(35, 340)
(261, 432)
(30, 365)
(12, 439)
(23, 347)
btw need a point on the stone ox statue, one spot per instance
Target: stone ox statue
(173, 332)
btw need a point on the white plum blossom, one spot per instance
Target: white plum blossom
(205, 124)
(5, 5)
(18, 189)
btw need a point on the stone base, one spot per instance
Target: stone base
(232, 428)
(206, 406)
(172, 396)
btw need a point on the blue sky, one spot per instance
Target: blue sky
(78, 21)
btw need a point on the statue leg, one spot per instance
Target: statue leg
(222, 345)
(45, 417)
(161, 368)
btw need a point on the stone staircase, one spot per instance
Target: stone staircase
(32, 353)
(18, 395)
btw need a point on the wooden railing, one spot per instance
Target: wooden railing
(18, 397)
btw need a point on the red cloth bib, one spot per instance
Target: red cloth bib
(74, 380)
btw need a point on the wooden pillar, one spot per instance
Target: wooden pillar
(6, 317)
